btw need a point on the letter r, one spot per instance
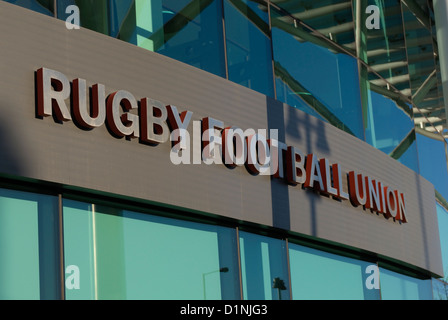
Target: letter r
(53, 88)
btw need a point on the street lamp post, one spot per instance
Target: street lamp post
(224, 269)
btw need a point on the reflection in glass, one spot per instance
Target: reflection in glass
(248, 44)
(425, 78)
(384, 49)
(433, 161)
(395, 286)
(324, 276)
(312, 70)
(332, 18)
(28, 246)
(129, 255)
(264, 268)
(439, 290)
(186, 30)
(388, 121)
(42, 6)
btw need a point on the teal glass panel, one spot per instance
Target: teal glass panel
(313, 69)
(79, 250)
(318, 275)
(395, 286)
(264, 268)
(442, 217)
(28, 246)
(42, 6)
(128, 255)
(248, 44)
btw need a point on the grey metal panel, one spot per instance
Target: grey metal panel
(63, 153)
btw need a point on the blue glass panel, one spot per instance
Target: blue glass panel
(309, 67)
(42, 6)
(389, 122)
(248, 44)
(264, 268)
(395, 286)
(433, 162)
(185, 30)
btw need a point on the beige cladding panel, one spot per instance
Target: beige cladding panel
(94, 159)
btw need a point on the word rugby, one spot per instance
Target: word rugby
(153, 122)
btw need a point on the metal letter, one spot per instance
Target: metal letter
(327, 177)
(97, 115)
(122, 124)
(356, 181)
(179, 122)
(53, 88)
(211, 142)
(153, 116)
(313, 174)
(337, 177)
(258, 154)
(295, 166)
(234, 147)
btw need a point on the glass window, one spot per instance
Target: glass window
(248, 44)
(442, 217)
(128, 255)
(433, 161)
(311, 69)
(185, 30)
(395, 286)
(382, 46)
(318, 275)
(28, 246)
(264, 268)
(439, 290)
(93, 14)
(41, 6)
(332, 18)
(389, 124)
(190, 31)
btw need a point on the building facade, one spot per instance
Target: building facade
(223, 149)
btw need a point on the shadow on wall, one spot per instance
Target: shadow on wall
(29, 226)
(311, 133)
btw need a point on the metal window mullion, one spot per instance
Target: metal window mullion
(272, 50)
(61, 247)
(226, 67)
(289, 268)
(240, 273)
